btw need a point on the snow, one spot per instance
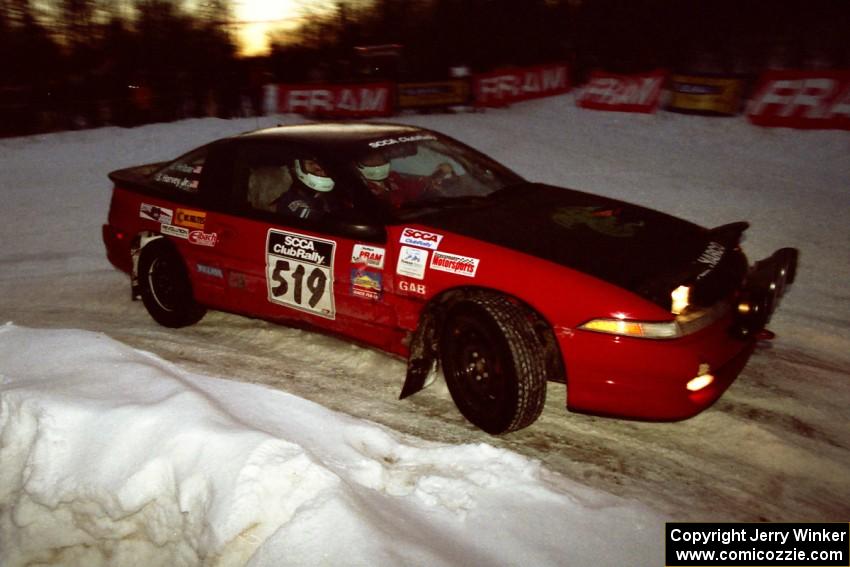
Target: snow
(113, 456)
(238, 442)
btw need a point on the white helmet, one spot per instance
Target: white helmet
(320, 183)
(376, 168)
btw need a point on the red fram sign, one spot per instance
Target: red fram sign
(504, 87)
(624, 93)
(374, 99)
(802, 99)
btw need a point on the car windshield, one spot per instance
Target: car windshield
(414, 172)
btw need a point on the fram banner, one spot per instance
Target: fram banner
(802, 99)
(514, 85)
(624, 93)
(356, 100)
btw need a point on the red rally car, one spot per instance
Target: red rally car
(412, 242)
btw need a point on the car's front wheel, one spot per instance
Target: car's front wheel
(165, 287)
(494, 362)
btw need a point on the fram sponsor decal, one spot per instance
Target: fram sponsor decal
(421, 238)
(211, 271)
(412, 262)
(412, 287)
(454, 264)
(190, 218)
(202, 238)
(154, 213)
(171, 230)
(368, 255)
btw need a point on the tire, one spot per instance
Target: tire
(165, 287)
(494, 362)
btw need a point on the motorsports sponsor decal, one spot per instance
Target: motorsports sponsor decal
(374, 99)
(421, 238)
(366, 284)
(299, 272)
(154, 213)
(171, 230)
(454, 264)
(190, 218)
(368, 255)
(624, 93)
(412, 262)
(802, 99)
(202, 238)
(514, 85)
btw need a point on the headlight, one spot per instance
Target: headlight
(680, 298)
(641, 329)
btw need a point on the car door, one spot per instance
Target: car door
(327, 271)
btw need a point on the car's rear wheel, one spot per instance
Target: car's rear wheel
(494, 362)
(165, 287)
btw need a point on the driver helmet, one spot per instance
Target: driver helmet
(374, 167)
(313, 175)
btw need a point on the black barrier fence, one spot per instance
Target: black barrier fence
(37, 109)
(797, 99)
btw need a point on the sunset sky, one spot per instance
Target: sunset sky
(257, 18)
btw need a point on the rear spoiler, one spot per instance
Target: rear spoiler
(136, 175)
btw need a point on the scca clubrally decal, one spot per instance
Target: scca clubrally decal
(299, 272)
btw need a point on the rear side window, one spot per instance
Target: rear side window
(184, 173)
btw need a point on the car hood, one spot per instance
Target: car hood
(639, 249)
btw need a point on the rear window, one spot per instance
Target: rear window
(184, 173)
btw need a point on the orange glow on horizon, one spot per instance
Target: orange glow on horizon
(256, 20)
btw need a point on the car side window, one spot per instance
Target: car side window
(285, 181)
(184, 173)
(262, 177)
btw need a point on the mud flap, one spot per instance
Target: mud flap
(422, 362)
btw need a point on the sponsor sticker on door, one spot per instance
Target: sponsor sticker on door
(171, 230)
(412, 262)
(421, 238)
(155, 213)
(368, 255)
(454, 264)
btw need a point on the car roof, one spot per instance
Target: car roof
(334, 133)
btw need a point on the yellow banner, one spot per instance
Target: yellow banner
(438, 93)
(710, 95)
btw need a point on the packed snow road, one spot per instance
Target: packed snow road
(775, 447)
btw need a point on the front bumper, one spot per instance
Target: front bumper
(648, 379)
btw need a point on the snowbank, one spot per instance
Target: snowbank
(112, 456)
